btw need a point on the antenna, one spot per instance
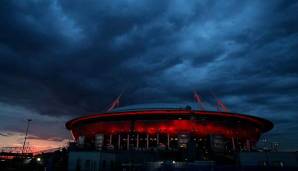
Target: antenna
(219, 104)
(198, 99)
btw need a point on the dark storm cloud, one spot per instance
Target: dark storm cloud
(67, 58)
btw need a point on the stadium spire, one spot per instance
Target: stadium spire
(219, 104)
(115, 103)
(198, 100)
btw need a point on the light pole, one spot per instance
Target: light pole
(28, 124)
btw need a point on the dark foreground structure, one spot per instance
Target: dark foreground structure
(171, 139)
(50, 161)
(160, 139)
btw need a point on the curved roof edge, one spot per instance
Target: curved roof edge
(266, 124)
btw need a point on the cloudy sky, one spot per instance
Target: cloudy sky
(62, 59)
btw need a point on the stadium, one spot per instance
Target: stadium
(173, 133)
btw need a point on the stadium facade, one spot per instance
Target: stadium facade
(157, 135)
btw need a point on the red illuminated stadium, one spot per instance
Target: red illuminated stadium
(169, 129)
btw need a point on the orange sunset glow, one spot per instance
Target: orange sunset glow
(33, 144)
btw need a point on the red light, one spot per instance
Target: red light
(169, 126)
